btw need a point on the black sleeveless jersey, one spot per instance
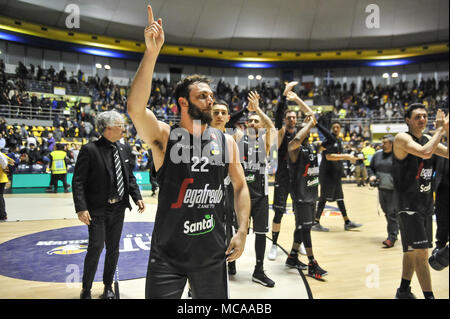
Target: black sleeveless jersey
(412, 181)
(253, 158)
(282, 174)
(331, 170)
(189, 227)
(304, 175)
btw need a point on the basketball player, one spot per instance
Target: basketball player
(282, 186)
(330, 175)
(254, 147)
(304, 172)
(191, 161)
(220, 120)
(413, 173)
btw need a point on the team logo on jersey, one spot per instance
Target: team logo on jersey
(250, 178)
(206, 225)
(426, 173)
(425, 188)
(313, 183)
(215, 149)
(202, 198)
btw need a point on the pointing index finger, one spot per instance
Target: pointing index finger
(150, 14)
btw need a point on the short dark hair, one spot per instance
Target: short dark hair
(289, 111)
(413, 107)
(336, 122)
(221, 102)
(182, 87)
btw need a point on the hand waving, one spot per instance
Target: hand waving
(154, 33)
(289, 87)
(439, 122)
(291, 96)
(253, 101)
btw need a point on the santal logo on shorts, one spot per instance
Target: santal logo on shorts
(202, 227)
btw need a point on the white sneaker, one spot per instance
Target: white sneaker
(273, 253)
(302, 250)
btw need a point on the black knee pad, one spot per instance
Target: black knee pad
(278, 216)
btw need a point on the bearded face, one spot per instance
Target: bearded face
(197, 113)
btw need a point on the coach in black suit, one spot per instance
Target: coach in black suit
(101, 185)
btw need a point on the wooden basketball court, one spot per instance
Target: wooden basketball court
(358, 266)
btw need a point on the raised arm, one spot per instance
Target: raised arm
(292, 96)
(253, 106)
(152, 131)
(235, 117)
(296, 142)
(404, 143)
(281, 107)
(442, 150)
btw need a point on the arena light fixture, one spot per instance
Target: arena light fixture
(251, 77)
(9, 37)
(389, 62)
(259, 77)
(385, 75)
(394, 75)
(253, 65)
(98, 65)
(101, 52)
(107, 67)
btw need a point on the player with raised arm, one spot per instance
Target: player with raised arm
(191, 160)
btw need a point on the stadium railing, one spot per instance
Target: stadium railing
(33, 113)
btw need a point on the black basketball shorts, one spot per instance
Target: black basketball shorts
(164, 281)
(416, 230)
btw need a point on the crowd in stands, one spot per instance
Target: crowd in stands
(31, 145)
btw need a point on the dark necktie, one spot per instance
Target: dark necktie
(118, 170)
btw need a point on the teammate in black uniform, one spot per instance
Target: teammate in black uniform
(304, 178)
(220, 119)
(191, 161)
(282, 186)
(330, 178)
(413, 173)
(253, 149)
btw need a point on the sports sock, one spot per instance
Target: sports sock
(320, 208)
(260, 248)
(342, 208)
(275, 237)
(404, 284)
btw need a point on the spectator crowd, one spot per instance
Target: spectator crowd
(31, 145)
